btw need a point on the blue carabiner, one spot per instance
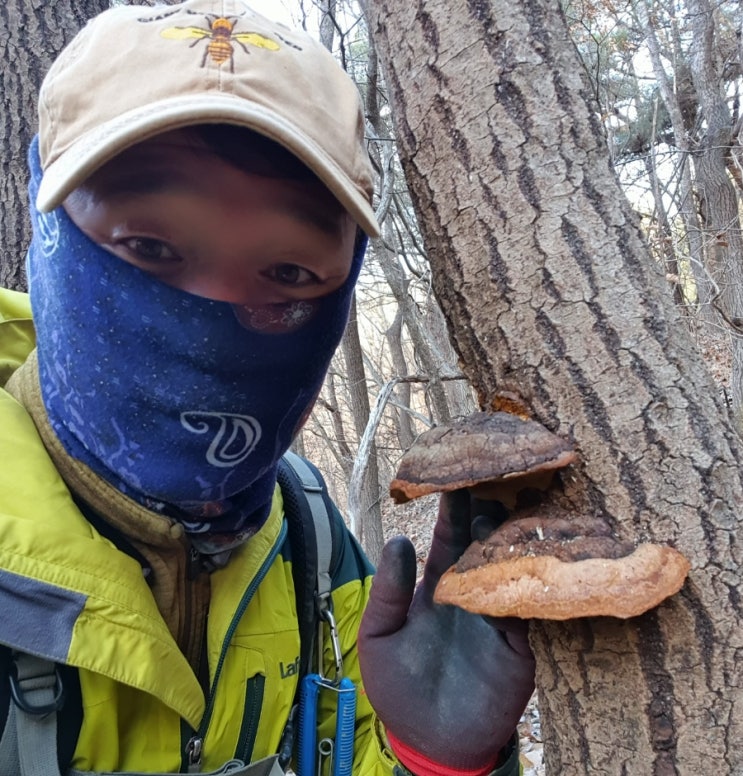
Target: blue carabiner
(308, 724)
(345, 728)
(345, 725)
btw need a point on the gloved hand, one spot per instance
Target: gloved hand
(446, 683)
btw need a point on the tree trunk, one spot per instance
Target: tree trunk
(681, 136)
(666, 251)
(460, 398)
(425, 354)
(369, 517)
(403, 422)
(337, 443)
(546, 282)
(364, 506)
(716, 193)
(31, 36)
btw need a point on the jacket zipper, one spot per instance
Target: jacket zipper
(251, 717)
(195, 744)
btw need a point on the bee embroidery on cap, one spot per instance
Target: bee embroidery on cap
(221, 35)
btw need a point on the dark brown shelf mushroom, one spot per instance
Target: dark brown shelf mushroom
(545, 561)
(496, 453)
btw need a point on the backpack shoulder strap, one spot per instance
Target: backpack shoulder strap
(32, 692)
(28, 746)
(313, 526)
(314, 544)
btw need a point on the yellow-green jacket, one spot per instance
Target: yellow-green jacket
(69, 595)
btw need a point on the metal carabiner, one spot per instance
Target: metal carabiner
(327, 615)
(339, 750)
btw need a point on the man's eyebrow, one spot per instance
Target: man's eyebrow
(325, 216)
(321, 211)
(143, 180)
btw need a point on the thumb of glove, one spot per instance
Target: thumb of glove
(391, 592)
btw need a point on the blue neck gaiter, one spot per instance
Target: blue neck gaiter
(183, 403)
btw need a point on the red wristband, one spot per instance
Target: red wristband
(420, 765)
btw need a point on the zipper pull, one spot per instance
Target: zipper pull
(195, 566)
(193, 754)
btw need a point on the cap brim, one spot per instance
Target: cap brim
(95, 148)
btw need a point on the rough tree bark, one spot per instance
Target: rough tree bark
(430, 361)
(32, 33)
(545, 279)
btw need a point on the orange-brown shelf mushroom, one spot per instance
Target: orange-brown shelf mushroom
(545, 561)
(559, 568)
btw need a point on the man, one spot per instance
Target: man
(201, 197)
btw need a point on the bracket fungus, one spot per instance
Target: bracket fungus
(495, 454)
(545, 561)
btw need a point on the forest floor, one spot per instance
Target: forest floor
(417, 518)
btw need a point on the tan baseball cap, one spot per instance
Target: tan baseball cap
(136, 71)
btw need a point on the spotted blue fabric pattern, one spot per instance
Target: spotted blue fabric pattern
(183, 403)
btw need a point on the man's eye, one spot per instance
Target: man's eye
(150, 250)
(292, 275)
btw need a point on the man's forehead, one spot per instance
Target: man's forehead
(171, 163)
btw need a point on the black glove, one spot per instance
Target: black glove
(446, 683)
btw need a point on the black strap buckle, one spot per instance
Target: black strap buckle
(46, 680)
